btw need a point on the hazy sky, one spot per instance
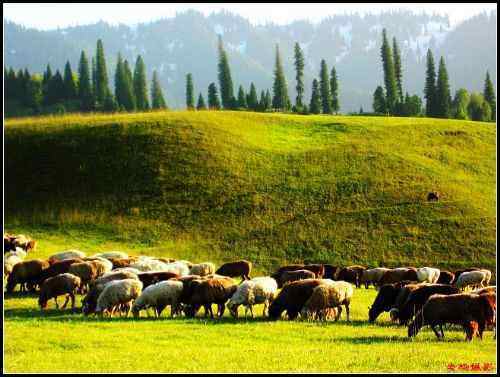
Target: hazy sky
(51, 16)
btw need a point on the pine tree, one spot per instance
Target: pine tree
(213, 97)
(189, 92)
(110, 104)
(280, 100)
(157, 99)
(201, 103)
(69, 82)
(56, 89)
(324, 84)
(489, 96)
(430, 86)
(443, 101)
(225, 80)
(101, 81)
(315, 104)
(242, 101)
(334, 87)
(299, 76)
(47, 76)
(84, 88)
(398, 70)
(268, 102)
(379, 105)
(94, 81)
(262, 101)
(128, 88)
(119, 82)
(389, 74)
(140, 85)
(252, 101)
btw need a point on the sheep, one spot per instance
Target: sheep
(63, 284)
(487, 278)
(149, 264)
(471, 278)
(239, 268)
(127, 269)
(106, 264)
(372, 276)
(68, 254)
(20, 241)
(86, 271)
(330, 295)
(118, 292)
(153, 277)
(490, 289)
(18, 252)
(398, 274)
(459, 272)
(330, 271)
(292, 298)
(180, 268)
(445, 277)
(57, 268)
(289, 276)
(428, 274)
(202, 269)
(25, 272)
(122, 262)
(261, 290)
(9, 262)
(159, 296)
(112, 255)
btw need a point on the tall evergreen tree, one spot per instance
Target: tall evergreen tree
(430, 91)
(201, 103)
(140, 85)
(268, 103)
(324, 84)
(225, 80)
(315, 104)
(443, 102)
(102, 85)
(334, 87)
(189, 92)
(489, 96)
(56, 89)
(157, 99)
(280, 90)
(119, 82)
(252, 101)
(94, 80)
(69, 82)
(110, 104)
(389, 74)
(242, 101)
(379, 101)
(299, 76)
(398, 70)
(128, 88)
(213, 97)
(84, 86)
(47, 76)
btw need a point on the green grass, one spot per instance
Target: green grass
(65, 342)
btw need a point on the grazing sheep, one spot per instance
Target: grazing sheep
(318, 269)
(57, 268)
(86, 271)
(189, 278)
(106, 264)
(63, 284)
(349, 275)
(289, 276)
(428, 274)
(118, 292)
(490, 289)
(292, 298)
(202, 269)
(459, 272)
(159, 296)
(372, 276)
(487, 278)
(259, 290)
(471, 278)
(9, 262)
(186, 262)
(153, 277)
(20, 241)
(18, 252)
(398, 274)
(127, 269)
(330, 271)
(386, 299)
(122, 262)
(330, 295)
(233, 269)
(293, 267)
(27, 272)
(445, 277)
(68, 254)
(112, 255)
(149, 264)
(180, 268)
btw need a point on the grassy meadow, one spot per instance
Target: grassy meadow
(270, 188)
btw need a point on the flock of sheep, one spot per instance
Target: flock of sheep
(115, 283)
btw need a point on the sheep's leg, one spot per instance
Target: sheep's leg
(222, 308)
(57, 305)
(265, 308)
(65, 302)
(72, 295)
(251, 311)
(433, 327)
(347, 312)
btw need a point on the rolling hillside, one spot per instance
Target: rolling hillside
(271, 188)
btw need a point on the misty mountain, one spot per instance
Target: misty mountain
(188, 43)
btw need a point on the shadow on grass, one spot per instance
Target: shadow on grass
(20, 295)
(374, 339)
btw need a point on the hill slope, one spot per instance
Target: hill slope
(268, 187)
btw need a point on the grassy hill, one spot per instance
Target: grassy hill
(271, 188)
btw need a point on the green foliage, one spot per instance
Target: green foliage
(460, 104)
(299, 75)
(489, 96)
(324, 83)
(389, 74)
(201, 103)
(189, 92)
(101, 86)
(280, 99)
(213, 97)
(478, 108)
(315, 104)
(379, 105)
(70, 91)
(157, 99)
(140, 85)
(430, 89)
(334, 88)
(242, 101)
(253, 101)
(225, 80)
(398, 70)
(84, 86)
(443, 100)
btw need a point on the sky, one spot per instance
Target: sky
(53, 15)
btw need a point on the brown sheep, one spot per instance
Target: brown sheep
(86, 271)
(234, 269)
(26, 273)
(59, 267)
(122, 262)
(63, 284)
(445, 277)
(330, 271)
(153, 277)
(289, 276)
(349, 275)
(398, 274)
(292, 298)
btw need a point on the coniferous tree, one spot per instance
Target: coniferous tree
(299, 76)
(389, 74)
(140, 85)
(101, 80)
(242, 101)
(157, 99)
(262, 101)
(334, 87)
(280, 90)
(189, 92)
(94, 81)
(315, 104)
(489, 96)
(379, 105)
(225, 80)
(56, 89)
(252, 101)
(324, 84)
(47, 76)
(84, 86)
(110, 104)
(201, 103)
(128, 88)
(268, 103)
(69, 82)
(119, 82)
(430, 90)
(33, 93)
(213, 97)
(443, 100)
(398, 70)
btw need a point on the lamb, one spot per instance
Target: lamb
(68, 254)
(471, 278)
(118, 292)
(239, 268)
(292, 298)
(372, 276)
(86, 271)
(27, 272)
(159, 296)
(428, 274)
(289, 276)
(331, 295)
(261, 290)
(153, 277)
(202, 269)
(63, 284)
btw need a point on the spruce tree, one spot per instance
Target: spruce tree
(268, 102)
(280, 90)
(252, 101)
(56, 89)
(110, 104)
(119, 82)
(225, 80)
(128, 88)
(315, 104)
(443, 100)
(430, 86)
(213, 97)
(324, 84)
(69, 82)
(189, 92)
(389, 74)
(47, 76)
(101, 83)
(299, 76)
(157, 99)
(140, 85)
(84, 86)
(242, 101)
(379, 105)
(262, 101)
(398, 70)
(489, 96)
(334, 87)
(94, 81)
(201, 103)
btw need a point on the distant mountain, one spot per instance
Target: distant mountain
(188, 43)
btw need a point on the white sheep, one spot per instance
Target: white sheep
(68, 254)
(178, 267)
(202, 269)
(9, 263)
(112, 254)
(127, 269)
(18, 252)
(487, 278)
(116, 293)
(149, 264)
(330, 294)
(372, 276)
(471, 278)
(428, 274)
(260, 290)
(159, 296)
